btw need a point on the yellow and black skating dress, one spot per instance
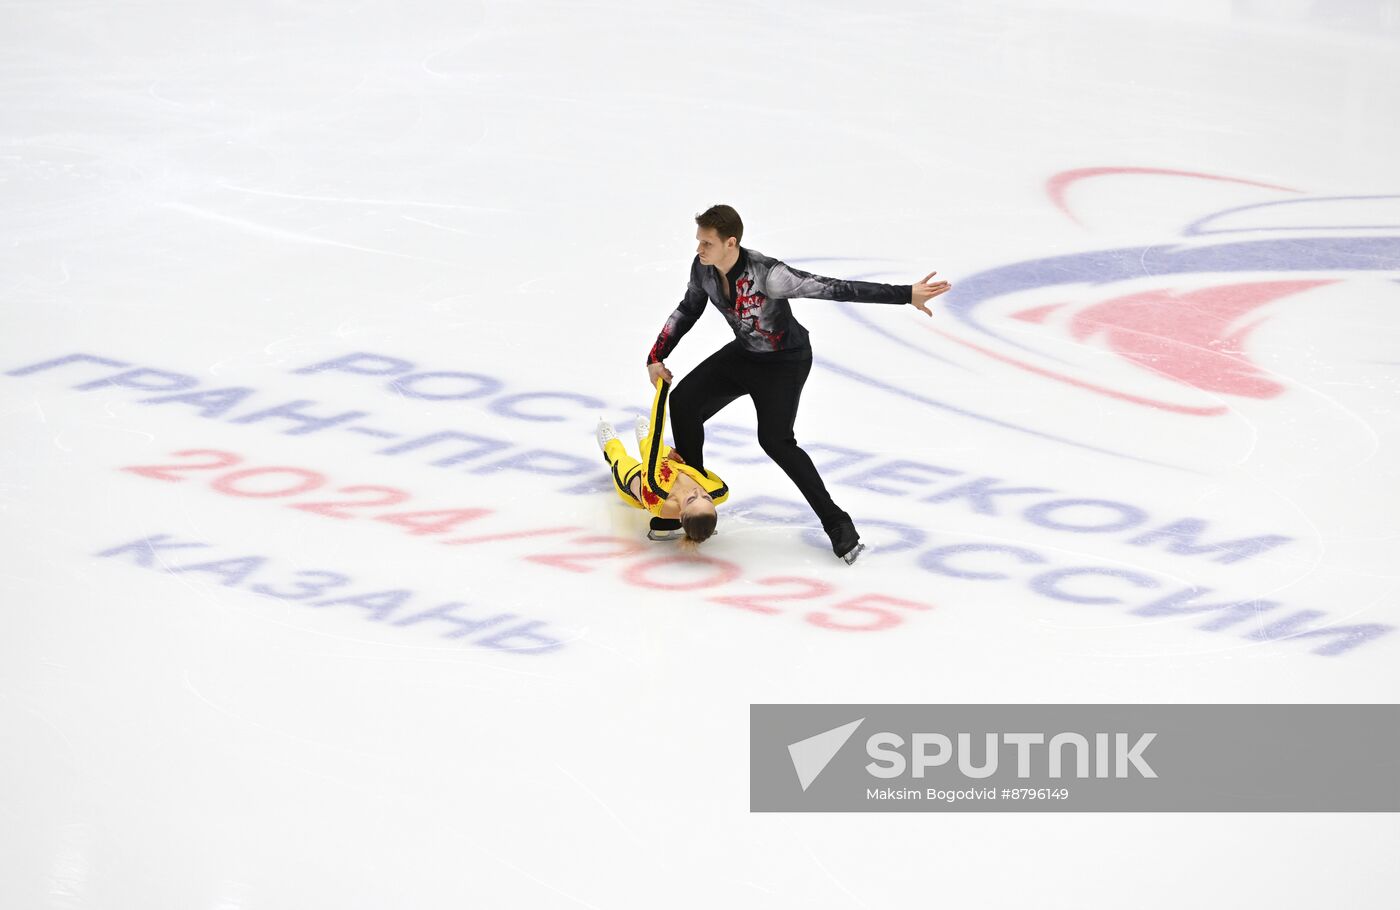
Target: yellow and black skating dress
(660, 469)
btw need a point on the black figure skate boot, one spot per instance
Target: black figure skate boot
(845, 542)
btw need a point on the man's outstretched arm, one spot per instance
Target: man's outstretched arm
(680, 321)
(786, 281)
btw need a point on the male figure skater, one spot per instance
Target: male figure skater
(769, 358)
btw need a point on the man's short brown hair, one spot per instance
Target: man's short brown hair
(723, 220)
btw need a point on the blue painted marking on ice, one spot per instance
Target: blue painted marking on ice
(1196, 228)
(963, 412)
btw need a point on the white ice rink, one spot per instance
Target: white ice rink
(322, 300)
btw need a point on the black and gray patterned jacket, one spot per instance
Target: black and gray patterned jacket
(758, 311)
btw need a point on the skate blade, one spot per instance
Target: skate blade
(854, 554)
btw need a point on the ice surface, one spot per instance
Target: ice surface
(1173, 237)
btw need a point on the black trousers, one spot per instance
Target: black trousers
(776, 388)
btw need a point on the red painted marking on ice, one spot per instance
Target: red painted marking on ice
(1037, 314)
(756, 602)
(723, 572)
(1188, 336)
(222, 459)
(1078, 383)
(541, 532)
(1058, 185)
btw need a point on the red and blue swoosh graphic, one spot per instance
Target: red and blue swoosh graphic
(1193, 337)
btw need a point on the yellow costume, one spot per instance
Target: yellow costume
(662, 465)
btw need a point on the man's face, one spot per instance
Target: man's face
(710, 248)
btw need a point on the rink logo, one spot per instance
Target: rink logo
(1184, 346)
(1179, 316)
(1190, 330)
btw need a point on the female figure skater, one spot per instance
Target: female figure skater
(680, 498)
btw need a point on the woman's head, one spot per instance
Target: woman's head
(698, 517)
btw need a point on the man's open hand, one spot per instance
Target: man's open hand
(925, 290)
(658, 371)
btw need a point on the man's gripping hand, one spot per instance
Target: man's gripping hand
(924, 291)
(658, 371)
